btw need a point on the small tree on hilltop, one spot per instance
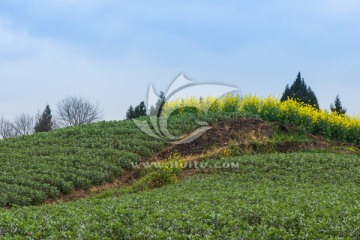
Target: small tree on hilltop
(130, 113)
(300, 92)
(138, 111)
(337, 106)
(73, 111)
(44, 123)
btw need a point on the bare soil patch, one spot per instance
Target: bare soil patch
(219, 135)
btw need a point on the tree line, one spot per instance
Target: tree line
(71, 111)
(298, 91)
(140, 110)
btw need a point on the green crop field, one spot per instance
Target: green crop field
(33, 168)
(41, 166)
(275, 196)
(299, 195)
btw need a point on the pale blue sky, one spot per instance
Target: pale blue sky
(111, 51)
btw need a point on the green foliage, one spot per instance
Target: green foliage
(186, 110)
(166, 173)
(294, 134)
(300, 92)
(33, 168)
(277, 196)
(337, 107)
(130, 113)
(44, 123)
(138, 111)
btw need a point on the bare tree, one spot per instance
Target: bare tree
(73, 111)
(24, 124)
(7, 129)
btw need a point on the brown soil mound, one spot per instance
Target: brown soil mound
(219, 135)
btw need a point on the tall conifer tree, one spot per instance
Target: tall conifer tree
(44, 123)
(300, 92)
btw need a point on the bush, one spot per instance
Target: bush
(161, 174)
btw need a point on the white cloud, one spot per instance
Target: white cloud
(35, 71)
(18, 44)
(123, 47)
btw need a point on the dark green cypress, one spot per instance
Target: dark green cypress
(44, 123)
(337, 106)
(138, 111)
(300, 92)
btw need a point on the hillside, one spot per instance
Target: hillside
(47, 165)
(246, 177)
(276, 196)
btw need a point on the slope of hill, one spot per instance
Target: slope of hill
(45, 165)
(275, 196)
(242, 187)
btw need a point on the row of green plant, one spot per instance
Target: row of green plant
(44, 165)
(275, 196)
(34, 168)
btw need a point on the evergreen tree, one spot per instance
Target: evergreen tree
(337, 106)
(300, 92)
(138, 111)
(157, 109)
(130, 113)
(44, 123)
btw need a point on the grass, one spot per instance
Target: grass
(294, 134)
(275, 196)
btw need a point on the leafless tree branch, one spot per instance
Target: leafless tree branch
(73, 111)
(24, 124)
(7, 129)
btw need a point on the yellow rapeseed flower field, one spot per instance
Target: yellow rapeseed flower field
(323, 122)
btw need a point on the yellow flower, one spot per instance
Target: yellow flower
(317, 121)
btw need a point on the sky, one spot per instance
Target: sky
(111, 51)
